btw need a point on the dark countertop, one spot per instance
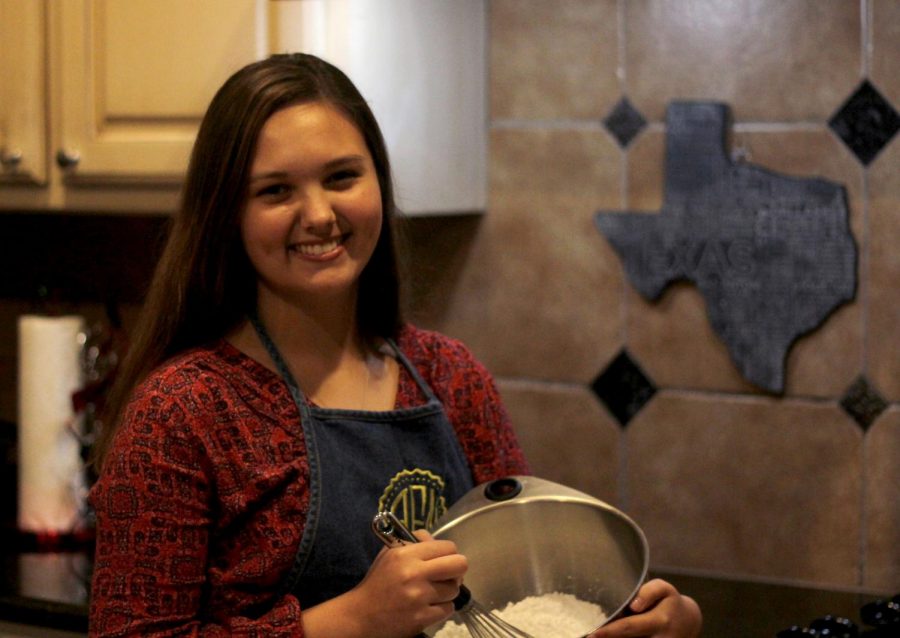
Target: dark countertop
(51, 590)
(45, 589)
(734, 608)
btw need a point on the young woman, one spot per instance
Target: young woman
(273, 399)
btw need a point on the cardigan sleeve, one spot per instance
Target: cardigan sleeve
(510, 459)
(155, 506)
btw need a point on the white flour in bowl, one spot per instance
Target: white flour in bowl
(553, 615)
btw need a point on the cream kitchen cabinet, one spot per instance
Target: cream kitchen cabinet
(100, 99)
(22, 92)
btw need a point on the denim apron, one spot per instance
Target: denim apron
(407, 460)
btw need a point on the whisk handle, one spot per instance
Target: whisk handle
(463, 598)
(393, 532)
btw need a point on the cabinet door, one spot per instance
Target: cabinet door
(135, 77)
(23, 125)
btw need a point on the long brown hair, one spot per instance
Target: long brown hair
(204, 284)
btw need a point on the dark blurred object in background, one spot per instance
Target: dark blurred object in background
(8, 475)
(79, 257)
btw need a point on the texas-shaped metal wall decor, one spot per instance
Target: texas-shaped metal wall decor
(772, 255)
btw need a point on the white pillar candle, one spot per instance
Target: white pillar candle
(50, 468)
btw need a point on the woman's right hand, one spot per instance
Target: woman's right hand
(406, 589)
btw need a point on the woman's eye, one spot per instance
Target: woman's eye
(342, 179)
(272, 190)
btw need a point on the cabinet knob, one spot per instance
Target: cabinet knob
(67, 159)
(10, 160)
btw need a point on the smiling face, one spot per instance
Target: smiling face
(313, 213)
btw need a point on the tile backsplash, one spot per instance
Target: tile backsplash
(723, 477)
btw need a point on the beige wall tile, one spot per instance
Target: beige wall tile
(826, 362)
(883, 345)
(755, 486)
(538, 295)
(882, 505)
(554, 168)
(434, 251)
(567, 435)
(885, 64)
(552, 59)
(646, 171)
(782, 60)
(674, 343)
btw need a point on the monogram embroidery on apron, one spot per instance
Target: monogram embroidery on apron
(407, 460)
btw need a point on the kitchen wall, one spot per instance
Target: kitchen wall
(723, 477)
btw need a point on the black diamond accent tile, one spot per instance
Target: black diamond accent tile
(623, 388)
(866, 122)
(624, 122)
(863, 403)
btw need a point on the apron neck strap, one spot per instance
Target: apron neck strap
(294, 387)
(278, 360)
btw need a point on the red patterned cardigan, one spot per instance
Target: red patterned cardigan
(203, 498)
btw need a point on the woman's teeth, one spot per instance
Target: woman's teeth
(316, 249)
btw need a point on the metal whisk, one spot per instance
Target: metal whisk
(480, 622)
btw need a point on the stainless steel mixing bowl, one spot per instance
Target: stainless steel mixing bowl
(525, 536)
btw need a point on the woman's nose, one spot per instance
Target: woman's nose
(316, 210)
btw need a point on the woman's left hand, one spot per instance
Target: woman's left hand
(660, 612)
